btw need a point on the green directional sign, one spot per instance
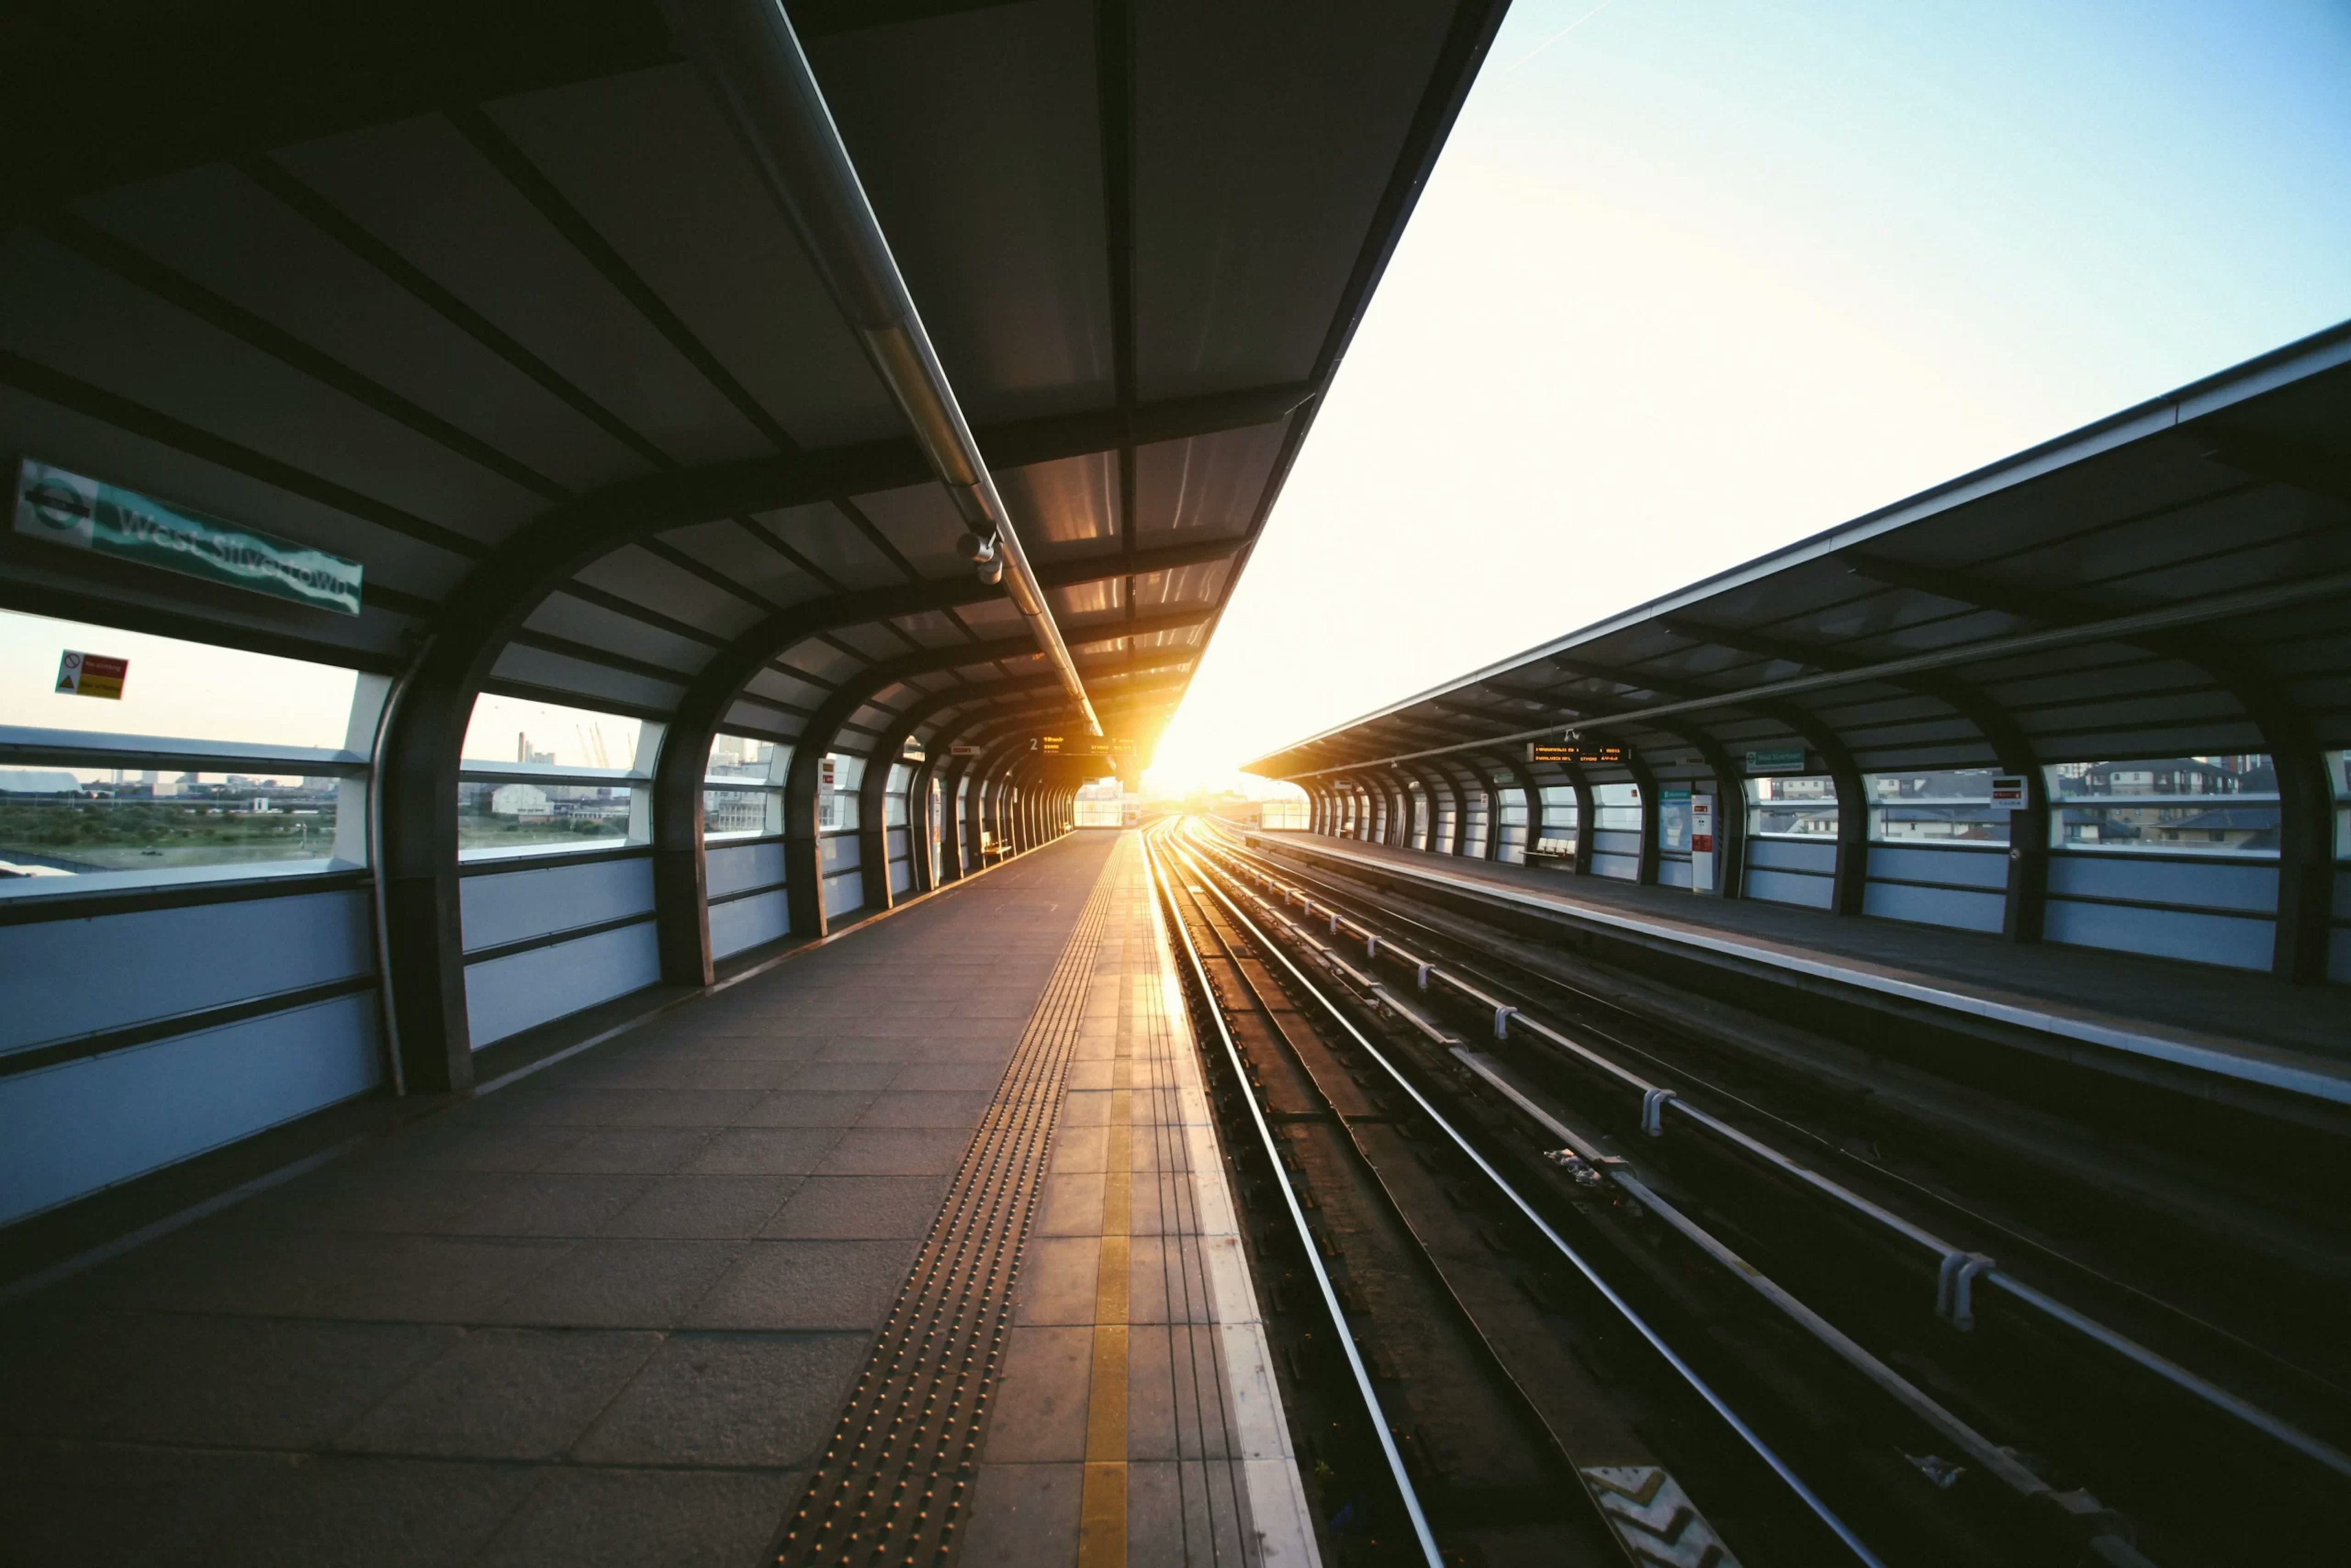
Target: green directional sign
(89, 514)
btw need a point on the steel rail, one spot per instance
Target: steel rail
(1659, 1102)
(1340, 1330)
(2050, 1255)
(1640, 1325)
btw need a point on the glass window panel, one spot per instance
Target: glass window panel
(80, 820)
(836, 795)
(1616, 807)
(741, 756)
(1947, 806)
(540, 819)
(742, 813)
(512, 730)
(189, 691)
(2166, 805)
(1802, 806)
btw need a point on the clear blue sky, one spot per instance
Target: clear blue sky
(1696, 277)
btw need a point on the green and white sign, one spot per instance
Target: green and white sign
(89, 514)
(1789, 761)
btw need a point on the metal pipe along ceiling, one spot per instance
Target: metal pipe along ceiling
(752, 59)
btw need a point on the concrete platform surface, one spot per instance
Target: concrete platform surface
(609, 1311)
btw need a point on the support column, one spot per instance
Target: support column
(680, 873)
(1646, 780)
(1587, 812)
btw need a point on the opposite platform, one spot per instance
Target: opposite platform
(607, 1313)
(2225, 1022)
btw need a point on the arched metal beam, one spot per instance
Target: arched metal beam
(2306, 796)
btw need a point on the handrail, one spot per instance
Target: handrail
(752, 59)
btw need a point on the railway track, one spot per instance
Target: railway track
(1674, 1292)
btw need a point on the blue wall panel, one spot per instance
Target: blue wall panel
(731, 868)
(836, 853)
(1972, 868)
(2227, 939)
(2156, 879)
(1673, 871)
(161, 963)
(517, 905)
(1789, 855)
(1609, 841)
(68, 1130)
(1933, 906)
(1624, 868)
(1789, 887)
(746, 922)
(506, 996)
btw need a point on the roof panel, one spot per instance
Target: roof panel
(647, 159)
(1210, 484)
(66, 313)
(1253, 202)
(419, 187)
(1058, 505)
(227, 233)
(977, 138)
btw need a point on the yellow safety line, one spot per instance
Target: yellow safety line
(1101, 1510)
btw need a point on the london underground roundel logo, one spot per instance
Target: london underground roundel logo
(59, 506)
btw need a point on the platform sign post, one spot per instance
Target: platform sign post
(1701, 813)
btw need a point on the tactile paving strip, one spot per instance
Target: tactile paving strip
(897, 1475)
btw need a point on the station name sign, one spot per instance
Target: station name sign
(1061, 745)
(81, 513)
(1574, 750)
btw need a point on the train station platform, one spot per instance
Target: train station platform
(920, 1233)
(2222, 1022)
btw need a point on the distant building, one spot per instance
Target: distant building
(518, 800)
(38, 781)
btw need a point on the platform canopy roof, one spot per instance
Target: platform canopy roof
(2173, 581)
(491, 300)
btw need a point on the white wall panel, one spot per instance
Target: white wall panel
(2201, 938)
(1791, 855)
(843, 892)
(506, 996)
(2158, 879)
(71, 1129)
(1788, 887)
(746, 922)
(730, 867)
(517, 905)
(1933, 906)
(1971, 868)
(64, 978)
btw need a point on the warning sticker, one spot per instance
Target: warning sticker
(91, 674)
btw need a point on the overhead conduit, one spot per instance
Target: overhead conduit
(747, 52)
